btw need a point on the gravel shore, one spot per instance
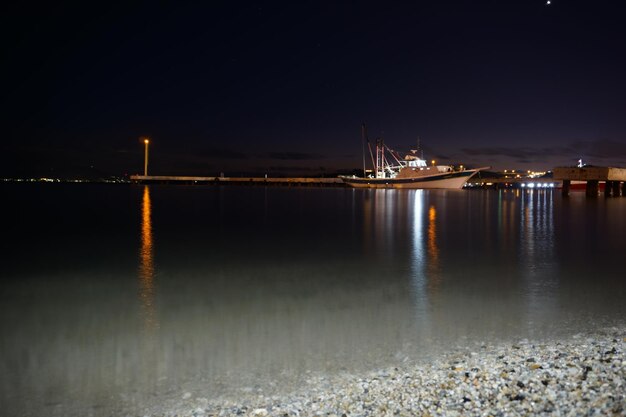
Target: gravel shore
(582, 375)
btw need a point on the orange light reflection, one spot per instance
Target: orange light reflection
(146, 266)
(433, 250)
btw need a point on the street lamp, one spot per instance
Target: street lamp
(146, 141)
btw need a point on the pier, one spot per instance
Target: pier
(614, 179)
(288, 182)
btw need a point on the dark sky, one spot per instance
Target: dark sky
(282, 88)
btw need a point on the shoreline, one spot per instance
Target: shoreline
(583, 374)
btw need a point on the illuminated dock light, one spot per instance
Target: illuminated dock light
(146, 142)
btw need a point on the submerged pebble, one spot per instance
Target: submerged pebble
(577, 376)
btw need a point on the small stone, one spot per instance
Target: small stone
(538, 378)
(186, 396)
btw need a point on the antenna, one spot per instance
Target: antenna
(420, 151)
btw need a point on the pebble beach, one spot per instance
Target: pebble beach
(579, 375)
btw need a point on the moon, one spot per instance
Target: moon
(548, 3)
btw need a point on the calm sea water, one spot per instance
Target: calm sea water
(113, 297)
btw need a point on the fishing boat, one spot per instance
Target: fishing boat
(391, 170)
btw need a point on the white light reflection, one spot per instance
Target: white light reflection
(419, 265)
(537, 258)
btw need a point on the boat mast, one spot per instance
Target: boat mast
(369, 145)
(363, 139)
(380, 158)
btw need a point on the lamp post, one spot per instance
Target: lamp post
(146, 141)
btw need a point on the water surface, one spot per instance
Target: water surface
(117, 296)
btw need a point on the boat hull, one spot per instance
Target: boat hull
(582, 186)
(450, 180)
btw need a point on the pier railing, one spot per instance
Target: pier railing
(291, 181)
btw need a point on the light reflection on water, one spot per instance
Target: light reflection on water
(434, 272)
(538, 264)
(146, 265)
(248, 286)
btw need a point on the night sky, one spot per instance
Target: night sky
(282, 88)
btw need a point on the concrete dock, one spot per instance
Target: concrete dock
(292, 181)
(614, 178)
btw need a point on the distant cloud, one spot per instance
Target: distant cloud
(521, 154)
(222, 153)
(295, 156)
(602, 149)
(596, 152)
(289, 169)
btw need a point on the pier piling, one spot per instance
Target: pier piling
(592, 188)
(616, 189)
(608, 187)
